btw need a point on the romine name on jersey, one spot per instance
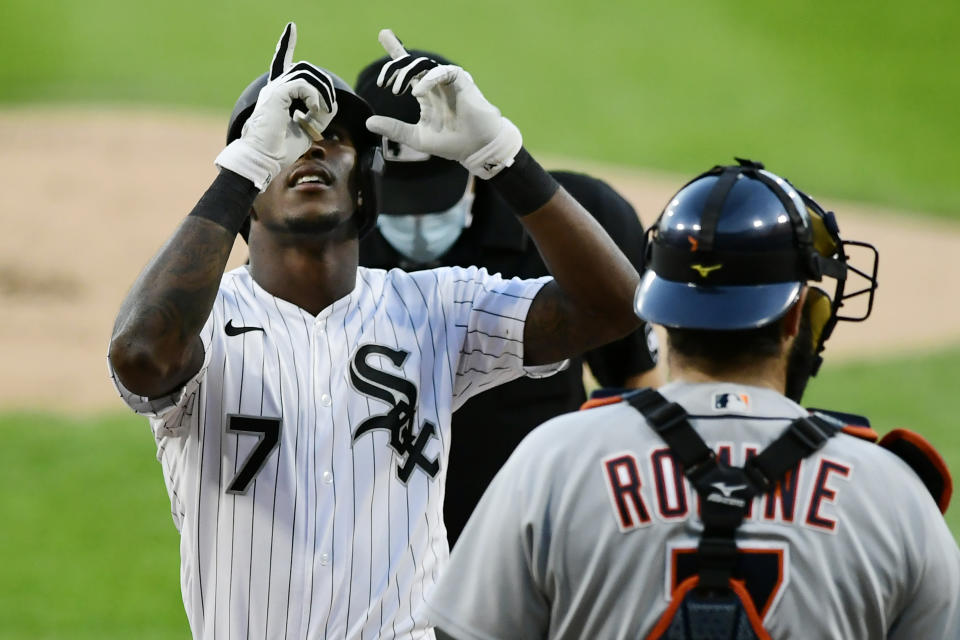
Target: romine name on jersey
(657, 488)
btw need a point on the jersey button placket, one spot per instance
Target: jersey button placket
(322, 348)
(326, 402)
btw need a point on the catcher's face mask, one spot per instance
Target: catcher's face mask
(832, 259)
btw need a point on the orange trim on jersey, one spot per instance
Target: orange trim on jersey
(931, 454)
(864, 433)
(688, 585)
(600, 402)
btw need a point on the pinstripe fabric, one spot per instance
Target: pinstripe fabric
(328, 540)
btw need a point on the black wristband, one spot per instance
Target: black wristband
(228, 200)
(525, 185)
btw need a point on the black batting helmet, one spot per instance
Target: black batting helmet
(353, 112)
(732, 250)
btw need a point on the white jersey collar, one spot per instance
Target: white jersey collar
(288, 308)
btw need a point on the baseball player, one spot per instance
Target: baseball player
(301, 405)
(434, 213)
(717, 507)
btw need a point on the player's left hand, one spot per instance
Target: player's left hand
(456, 121)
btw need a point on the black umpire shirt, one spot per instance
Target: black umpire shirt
(490, 425)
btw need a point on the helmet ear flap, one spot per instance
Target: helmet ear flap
(368, 200)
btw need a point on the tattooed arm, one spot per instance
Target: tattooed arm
(156, 344)
(590, 301)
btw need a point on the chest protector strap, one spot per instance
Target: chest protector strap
(713, 605)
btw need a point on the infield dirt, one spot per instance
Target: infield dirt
(87, 196)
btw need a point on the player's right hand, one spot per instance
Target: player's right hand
(295, 106)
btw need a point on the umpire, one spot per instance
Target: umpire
(434, 214)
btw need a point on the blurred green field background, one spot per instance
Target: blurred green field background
(850, 99)
(90, 550)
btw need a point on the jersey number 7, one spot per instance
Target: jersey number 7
(269, 431)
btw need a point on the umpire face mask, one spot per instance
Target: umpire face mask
(424, 237)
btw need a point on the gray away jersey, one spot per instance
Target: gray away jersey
(590, 525)
(305, 462)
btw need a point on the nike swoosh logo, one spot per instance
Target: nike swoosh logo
(231, 330)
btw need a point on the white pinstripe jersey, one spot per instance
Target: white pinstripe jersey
(590, 525)
(306, 460)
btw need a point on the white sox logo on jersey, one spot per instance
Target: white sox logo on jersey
(399, 421)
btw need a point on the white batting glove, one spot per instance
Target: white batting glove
(456, 121)
(279, 131)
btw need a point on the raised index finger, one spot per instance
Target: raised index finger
(283, 56)
(391, 44)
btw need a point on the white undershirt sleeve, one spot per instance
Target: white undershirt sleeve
(170, 414)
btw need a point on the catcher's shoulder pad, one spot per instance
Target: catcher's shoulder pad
(927, 463)
(910, 447)
(604, 396)
(854, 425)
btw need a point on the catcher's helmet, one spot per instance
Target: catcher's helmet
(732, 250)
(353, 111)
